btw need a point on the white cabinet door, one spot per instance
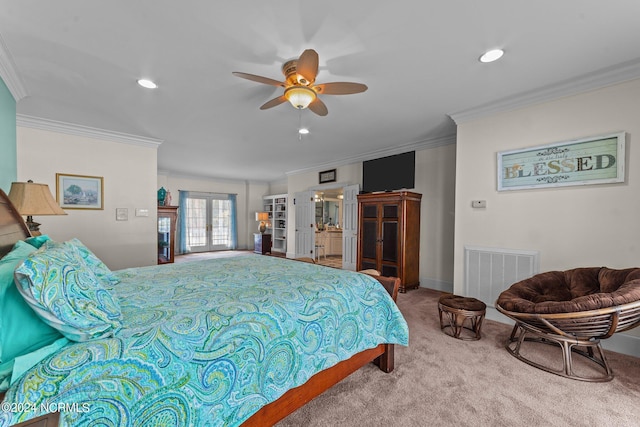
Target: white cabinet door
(305, 229)
(350, 226)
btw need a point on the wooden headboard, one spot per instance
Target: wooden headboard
(12, 225)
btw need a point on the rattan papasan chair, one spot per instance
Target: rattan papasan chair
(573, 309)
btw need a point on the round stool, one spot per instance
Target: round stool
(457, 309)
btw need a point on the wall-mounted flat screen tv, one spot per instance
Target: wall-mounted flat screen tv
(389, 173)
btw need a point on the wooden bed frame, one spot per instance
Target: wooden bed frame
(13, 228)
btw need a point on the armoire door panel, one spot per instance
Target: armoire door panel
(390, 241)
(368, 265)
(369, 239)
(370, 211)
(390, 211)
(389, 270)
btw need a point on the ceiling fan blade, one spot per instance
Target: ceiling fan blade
(340, 88)
(274, 102)
(307, 67)
(259, 79)
(318, 107)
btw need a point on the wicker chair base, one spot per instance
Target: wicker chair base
(523, 332)
(462, 314)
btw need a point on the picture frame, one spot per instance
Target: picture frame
(327, 176)
(79, 191)
(593, 160)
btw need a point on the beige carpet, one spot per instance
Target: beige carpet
(439, 380)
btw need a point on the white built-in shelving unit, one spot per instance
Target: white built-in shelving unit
(276, 205)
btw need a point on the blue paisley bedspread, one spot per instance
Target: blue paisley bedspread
(208, 343)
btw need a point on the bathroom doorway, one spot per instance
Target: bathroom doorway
(328, 233)
(332, 215)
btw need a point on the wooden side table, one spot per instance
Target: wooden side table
(262, 243)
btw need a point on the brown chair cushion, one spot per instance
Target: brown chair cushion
(579, 289)
(462, 303)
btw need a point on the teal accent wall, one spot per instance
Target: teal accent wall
(8, 149)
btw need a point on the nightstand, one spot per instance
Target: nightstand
(262, 243)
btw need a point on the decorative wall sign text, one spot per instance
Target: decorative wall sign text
(595, 160)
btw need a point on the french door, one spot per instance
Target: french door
(209, 224)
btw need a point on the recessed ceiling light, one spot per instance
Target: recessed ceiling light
(147, 83)
(303, 131)
(492, 55)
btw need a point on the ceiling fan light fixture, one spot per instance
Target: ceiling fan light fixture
(299, 96)
(492, 55)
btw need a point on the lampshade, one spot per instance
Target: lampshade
(300, 96)
(31, 198)
(262, 217)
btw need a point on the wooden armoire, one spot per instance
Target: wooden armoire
(389, 235)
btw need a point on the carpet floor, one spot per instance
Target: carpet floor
(439, 380)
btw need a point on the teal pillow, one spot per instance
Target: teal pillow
(6, 369)
(98, 267)
(37, 241)
(21, 330)
(59, 286)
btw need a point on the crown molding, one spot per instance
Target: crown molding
(8, 73)
(605, 77)
(85, 131)
(389, 151)
(209, 178)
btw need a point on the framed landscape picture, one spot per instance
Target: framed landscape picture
(79, 191)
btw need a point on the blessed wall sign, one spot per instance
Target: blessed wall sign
(594, 160)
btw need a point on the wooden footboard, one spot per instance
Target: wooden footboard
(297, 397)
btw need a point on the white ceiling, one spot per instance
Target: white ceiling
(77, 61)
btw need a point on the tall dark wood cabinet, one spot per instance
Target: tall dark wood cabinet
(389, 235)
(167, 218)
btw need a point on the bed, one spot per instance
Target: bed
(234, 341)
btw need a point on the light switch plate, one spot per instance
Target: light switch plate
(142, 212)
(122, 214)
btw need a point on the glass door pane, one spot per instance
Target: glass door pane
(164, 238)
(196, 224)
(390, 243)
(220, 220)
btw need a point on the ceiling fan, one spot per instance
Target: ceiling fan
(300, 90)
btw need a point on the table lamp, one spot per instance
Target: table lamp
(263, 217)
(30, 199)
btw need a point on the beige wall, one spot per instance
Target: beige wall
(249, 199)
(594, 225)
(129, 173)
(435, 180)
